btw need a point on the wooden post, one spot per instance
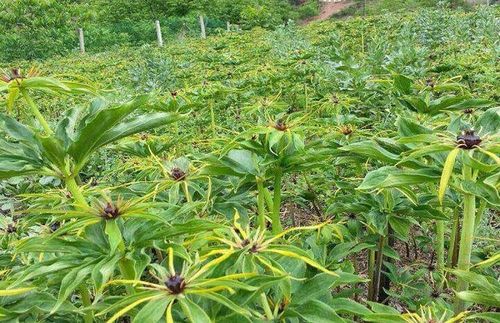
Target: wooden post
(202, 26)
(228, 25)
(81, 40)
(158, 33)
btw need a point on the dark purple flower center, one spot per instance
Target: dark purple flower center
(110, 211)
(175, 284)
(280, 125)
(177, 174)
(468, 140)
(11, 228)
(54, 226)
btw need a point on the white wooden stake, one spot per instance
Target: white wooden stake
(202, 26)
(81, 40)
(228, 24)
(158, 33)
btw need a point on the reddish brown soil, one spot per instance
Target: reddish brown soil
(328, 9)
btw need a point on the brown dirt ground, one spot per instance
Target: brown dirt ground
(328, 9)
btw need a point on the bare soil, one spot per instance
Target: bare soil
(328, 9)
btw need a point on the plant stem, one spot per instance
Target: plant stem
(36, 112)
(275, 216)
(453, 238)
(265, 306)
(72, 186)
(440, 245)
(185, 187)
(466, 239)
(261, 216)
(440, 252)
(378, 268)
(85, 297)
(212, 118)
(268, 198)
(371, 270)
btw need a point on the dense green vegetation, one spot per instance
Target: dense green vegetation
(36, 29)
(335, 172)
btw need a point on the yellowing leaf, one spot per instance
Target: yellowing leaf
(168, 314)
(16, 291)
(447, 171)
(129, 307)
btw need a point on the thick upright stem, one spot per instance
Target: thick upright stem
(261, 208)
(454, 238)
(371, 272)
(378, 268)
(36, 112)
(440, 245)
(185, 187)
(275, 216)
(265, 307)
(73, 188)
(86, 301)
(440, 251)
(466, 240)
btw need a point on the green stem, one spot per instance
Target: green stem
(261, 216)
(275, 216)
(378, 268)
(85, 296)
(185, 187)
(265, 306)
(371, 270)
(440, 244)
(466, 240)
(453, 237)
(36, 112)
(72, 186)
(269, 199)
(212, 117)
(479, 213)
(440, 250)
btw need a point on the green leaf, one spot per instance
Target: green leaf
(482, 190)
(321, 285)
(400, 225)
(382, 309)
(341, 305)
(70, 282)
(391, 176)
(153, 311)
(407, 128)
(114, 234)
(489, 121)
(316, 311)
(386, 318)
(415, 104)
(447, 171)
(44, 83)
(480, 298)
(15, 291)
(193, 311)
(492, 317)
(372, 150)
(227, 303)
(402, 84)
(98, 121)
